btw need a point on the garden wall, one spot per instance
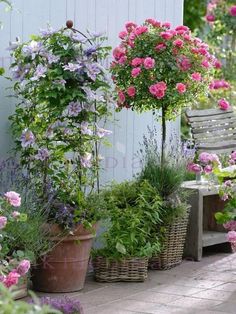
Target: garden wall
(96, 15)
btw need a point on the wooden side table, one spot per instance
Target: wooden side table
(203, 230)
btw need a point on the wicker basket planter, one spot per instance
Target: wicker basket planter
(21, 290)
(172, 253)
(132, 269)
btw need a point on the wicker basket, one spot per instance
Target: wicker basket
(172, 253)
(21, 290)
(133, 269)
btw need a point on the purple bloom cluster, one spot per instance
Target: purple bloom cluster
(19, 72)
(32, 49)
(39, 72)
(92, 70)
(65, 305)
(73, 67)
(74, 108)
(27, 138)
(42, 154)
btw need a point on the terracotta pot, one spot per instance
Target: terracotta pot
(64, 268)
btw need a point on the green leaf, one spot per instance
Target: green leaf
(2, 71)
(120, 248)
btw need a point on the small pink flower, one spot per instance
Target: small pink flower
(205, 64)
(232, 10)
(208, 169)
(217, 64)
(233, 155)
(136, 62)
(194, 168)
(232, 162)
(181, 88)
(123, 34)
(230, 225)
(153, 22)
(161, 85)
(23, 267)
(196, 76)
(178, 43)
(122, 60)
(166, 25)
(140, 30)
(187, 37)
(135, 72)
(160, 93)
(228, 183)
(13, 198)
(231, 236)
(160, 47)
(182, 28)
(149, 63)
(205, 158)
(224, 104)
(15, 214)
(119, 52)
(2, 278)
(224, 197)
(130, 26)
(210, 18)
(11, 279)
(184, 63)
(158, 89)
(166, 35)
(3, 222)
(121, 97)
(131, 91)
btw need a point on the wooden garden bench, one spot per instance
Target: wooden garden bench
(213, 130)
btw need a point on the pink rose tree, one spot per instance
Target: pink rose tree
(158, 67)
(11, 270)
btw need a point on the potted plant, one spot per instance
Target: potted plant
(132, 209)
(166, 179)
(64, 91)
(156, 67)
(13, 266)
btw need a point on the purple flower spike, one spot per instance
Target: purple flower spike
(27, 138)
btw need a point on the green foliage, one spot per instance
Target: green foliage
(132, 211)
(229, 212)
(194, 12)
(9, 306)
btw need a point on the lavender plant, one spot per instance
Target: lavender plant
(64, 304)
(64, 94)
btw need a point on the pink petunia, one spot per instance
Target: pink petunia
(131, 91)
(196, 76)
(135, 72)
(181, 88)
(136, 62)
(178, 43)
(224, 104)
(232, 10)
(149, 63)
(160, 47)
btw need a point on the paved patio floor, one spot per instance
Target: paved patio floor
(206, 287)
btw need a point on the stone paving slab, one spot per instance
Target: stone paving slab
(206, 287)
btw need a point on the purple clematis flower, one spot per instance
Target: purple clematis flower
(102, 132)
(52, 58)
(85, 129)
(74, 108)
(32, 49)
(91, 50)
(39, 72)
(47, 32)
(27, 138)
(86, 160)
(92, 70)
(19, 72)
(43, 154)
(72, 67)
(61, 82)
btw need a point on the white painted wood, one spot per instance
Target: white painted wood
(96, 15)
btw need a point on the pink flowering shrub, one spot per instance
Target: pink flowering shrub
(165, 66)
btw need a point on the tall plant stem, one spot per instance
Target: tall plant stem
(163, 140)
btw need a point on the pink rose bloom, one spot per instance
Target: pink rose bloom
(121, 97)
(203, 51)
(166, 35)
(196, 76)
(153, 22)
(130, 43)
(178, 43)
(205, 158)
(140, 30)
(11, 279)
(181, 88)
(184, 63)
(136, 62)
(23, 267)
(132, 36)
(187, 37)
(122, 60)
(131, 91)
(224, 104)
(210, 18)
(230, 225)
(130, 26)
(160, 93)
(205, 64)
(161, 85)
(13, 198)
(158, 89)
(231, 236)
(218, 84)
(149, 63)
(182, 28)
(208, 169)
(160, 47)
(123, 34)
(194, 168)
(166, 25)
(118, 52)
(135, 72)
(232, 10)
(15, 214)
(3, 222)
